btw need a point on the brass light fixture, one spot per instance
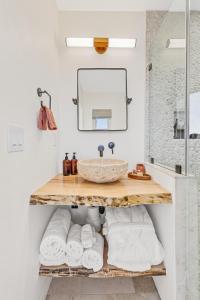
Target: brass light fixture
(101, 45)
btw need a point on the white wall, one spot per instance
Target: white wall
(28, 60)
(129, 144)
(173, 223)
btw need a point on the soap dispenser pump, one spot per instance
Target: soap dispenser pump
(74, 164)
(66, 166)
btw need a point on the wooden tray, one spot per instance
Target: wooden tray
(139, 177)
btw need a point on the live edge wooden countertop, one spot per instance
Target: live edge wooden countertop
(73, 190)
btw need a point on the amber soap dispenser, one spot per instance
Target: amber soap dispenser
(74, 164)
(66, 166)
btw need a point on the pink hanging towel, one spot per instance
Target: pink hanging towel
(42, 119)
(50, 119)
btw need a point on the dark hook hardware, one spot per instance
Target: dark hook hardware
(151, 160)
(40, 93)
(111, 146)
(129, 100)
(101, 149)
(178, 169)
(149, 67)
(75, 101)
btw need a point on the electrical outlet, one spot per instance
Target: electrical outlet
(15, 138)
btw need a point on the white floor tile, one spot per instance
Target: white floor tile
(107, 286)
(144, 285)
(94, 297)
(65, 286)
(59, 297)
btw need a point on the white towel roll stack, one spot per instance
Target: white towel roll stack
(88, 236)
(93, 257)
(53, 244)
(74, 248)
(93, 218)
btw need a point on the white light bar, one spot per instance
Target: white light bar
(122, 43)
(79, 42)
(176, 43)
(89, 42)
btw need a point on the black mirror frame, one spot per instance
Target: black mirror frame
(76, 101)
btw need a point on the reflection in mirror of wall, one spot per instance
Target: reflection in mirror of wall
(102, 99)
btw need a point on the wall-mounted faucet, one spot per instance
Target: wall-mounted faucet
(111, 146)
(101, 149)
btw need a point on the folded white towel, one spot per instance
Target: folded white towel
(93, 218)
(74, 248)
(93, 257)
(132, 245)
(52, 262)
(134, 214)
(88, 236)
(53, 244)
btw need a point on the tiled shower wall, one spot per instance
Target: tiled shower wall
(194, 87)
(165, 94)
(165, 86)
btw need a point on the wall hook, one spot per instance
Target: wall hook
(129, 100)
(75, 101)
(40, 93)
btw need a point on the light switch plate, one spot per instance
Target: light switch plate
(15, 138)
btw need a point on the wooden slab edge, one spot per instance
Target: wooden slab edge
(106, 272)
(125, 201)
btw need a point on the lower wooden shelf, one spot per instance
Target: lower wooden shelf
(107, 271)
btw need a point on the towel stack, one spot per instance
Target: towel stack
(76, 245)
(84, 247)
(53, 244)
(74, 248)
(132, 241)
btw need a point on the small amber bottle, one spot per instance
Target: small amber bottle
(66, 166)
(74, 170)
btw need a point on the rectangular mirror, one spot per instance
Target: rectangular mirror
(102, 99)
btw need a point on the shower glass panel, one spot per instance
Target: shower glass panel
(173, 114)
(166, 86)
(193, 147)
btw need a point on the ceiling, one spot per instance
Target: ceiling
(116, 5)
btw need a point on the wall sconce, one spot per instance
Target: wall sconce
(176, 43)
(100, 44)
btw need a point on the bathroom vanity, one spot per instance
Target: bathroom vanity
(73, 190)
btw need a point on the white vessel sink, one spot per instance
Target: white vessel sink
(102, 170)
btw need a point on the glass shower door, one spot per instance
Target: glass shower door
(166, 86)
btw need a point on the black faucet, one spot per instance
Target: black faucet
(101, 149)
(111, 146)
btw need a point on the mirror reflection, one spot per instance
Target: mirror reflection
(102, 99)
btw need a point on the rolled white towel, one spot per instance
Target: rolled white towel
(79, 214)
(74, 248)
(93, 218)
(52, 262)
(73, 262)
(53, 244)
(88, 236)
(93, 257)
